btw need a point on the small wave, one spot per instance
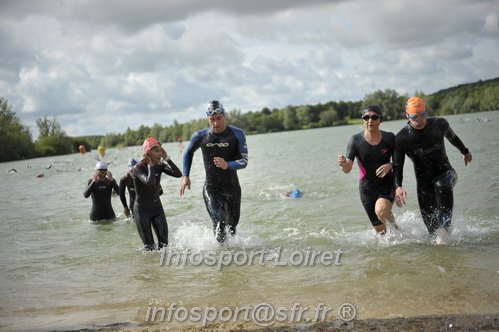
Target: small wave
(200, 237)
(413, 230)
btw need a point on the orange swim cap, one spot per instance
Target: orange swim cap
(415, 105)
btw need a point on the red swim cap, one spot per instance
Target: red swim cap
(149, 143)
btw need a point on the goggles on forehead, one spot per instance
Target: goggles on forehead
(218, 110)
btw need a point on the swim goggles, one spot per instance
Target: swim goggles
(415, 117)
(374, 117)
(218, 110)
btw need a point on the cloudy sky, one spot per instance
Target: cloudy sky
(100, 66)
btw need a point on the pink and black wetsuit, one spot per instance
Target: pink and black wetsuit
(370, 158)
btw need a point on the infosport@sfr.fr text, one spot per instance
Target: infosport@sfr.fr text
(261, 257)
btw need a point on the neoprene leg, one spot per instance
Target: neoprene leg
(161, 229)
(445, 197)
(144, 230)
(428, 207)
(216, 210)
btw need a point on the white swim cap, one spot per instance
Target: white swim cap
(101, 165)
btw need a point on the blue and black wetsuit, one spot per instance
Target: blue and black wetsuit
(101, 192)
(148, 210)
(221, 191)
(370, 158)
(126, 182)
(435, 176)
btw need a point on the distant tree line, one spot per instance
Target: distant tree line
(16, 141)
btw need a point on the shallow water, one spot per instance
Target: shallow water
(60, 270)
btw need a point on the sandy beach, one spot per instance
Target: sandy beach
(469, 323)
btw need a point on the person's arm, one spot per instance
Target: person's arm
(123, 187)
(242, 155)
(145, 174)
(88, 190)
(398, 170)
(188, 156)
(385, 169)
(456, 141)
(346, 162)
(172, 170)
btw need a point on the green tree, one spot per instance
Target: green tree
(52, 140)
(328, 117)
(303, 115)
(390, 102)
(289, 118)
(15, 138)
(49, 128)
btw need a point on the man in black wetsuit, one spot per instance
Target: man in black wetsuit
(422, 140)
(374, 150)
(126, 182)
(101, 187)
(148, 211)
(224, 152)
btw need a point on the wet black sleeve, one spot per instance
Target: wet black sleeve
(145, 174)
(399, 158)
(88, 190)
(351, 149)
(453, 138)
(172, 170)
(123, 186)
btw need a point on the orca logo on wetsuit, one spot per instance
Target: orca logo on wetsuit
(220, 145)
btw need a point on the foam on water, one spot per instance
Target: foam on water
(198, 236)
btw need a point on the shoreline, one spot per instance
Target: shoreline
(458, 322)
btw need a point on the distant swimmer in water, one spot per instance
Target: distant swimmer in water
(148, 210)
(294, 193)
(224, 152)
(422, 140)
(126, 182)
(13, 170)
(101, 187)
(373, 149)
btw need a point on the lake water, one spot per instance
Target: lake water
(59, 270)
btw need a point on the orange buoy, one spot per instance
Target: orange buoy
(82, 149)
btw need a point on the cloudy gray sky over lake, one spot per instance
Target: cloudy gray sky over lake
(100, 66)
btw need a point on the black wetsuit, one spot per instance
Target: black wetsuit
(370, 158)
(221, 191)
(126, 182)
(101, 192)
(435, 176)
(148, 210)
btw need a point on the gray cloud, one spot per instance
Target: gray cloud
(103, 66)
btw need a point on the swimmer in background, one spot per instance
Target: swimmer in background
(374, 150)
(148, 209)
(101, 187)
(293, 193)
(126, 182)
